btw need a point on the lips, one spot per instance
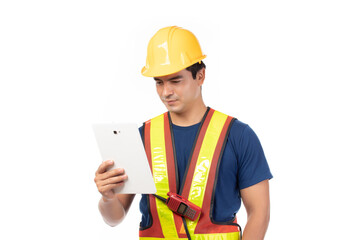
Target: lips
(170, 102)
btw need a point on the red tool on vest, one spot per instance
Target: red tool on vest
(182, 206)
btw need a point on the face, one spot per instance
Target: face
(179, 91)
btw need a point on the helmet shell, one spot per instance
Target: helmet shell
(171, 50)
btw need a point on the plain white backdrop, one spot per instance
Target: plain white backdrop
(290, 69)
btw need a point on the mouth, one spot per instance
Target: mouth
(170, 102)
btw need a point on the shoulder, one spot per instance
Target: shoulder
(242, 138)
(141, 128)
(240, 132)
(238, 127)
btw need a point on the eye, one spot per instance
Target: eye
(159, 83)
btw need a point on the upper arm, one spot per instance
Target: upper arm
(126, 200)
(252, 164)
(256, 198)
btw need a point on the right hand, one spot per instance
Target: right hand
(106, 181)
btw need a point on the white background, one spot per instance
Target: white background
(287, 68)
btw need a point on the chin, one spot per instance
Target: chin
(174, 109)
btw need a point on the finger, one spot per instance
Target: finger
(105, 189)
(111, 180)
(115, 180)
(111, 173)
(103, 166)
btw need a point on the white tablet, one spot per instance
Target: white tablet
(122, 143)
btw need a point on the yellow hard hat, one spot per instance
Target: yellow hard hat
(170, 50)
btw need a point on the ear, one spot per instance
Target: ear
(200, 76)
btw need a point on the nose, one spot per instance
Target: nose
(167, 90)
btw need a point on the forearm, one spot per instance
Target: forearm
(256, 226)
(112, 211)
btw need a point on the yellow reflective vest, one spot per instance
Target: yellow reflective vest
(199, 180)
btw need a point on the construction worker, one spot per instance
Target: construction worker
(203, 157)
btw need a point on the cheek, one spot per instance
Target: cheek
(191, 92)
(159, 90)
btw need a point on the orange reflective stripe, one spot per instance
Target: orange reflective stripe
(160, 174)
(202, 169)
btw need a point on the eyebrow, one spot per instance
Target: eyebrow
(173, 78)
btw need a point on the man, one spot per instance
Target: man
(205, 156)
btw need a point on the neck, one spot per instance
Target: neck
(191, 116)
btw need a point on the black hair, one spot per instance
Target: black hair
(195, 68)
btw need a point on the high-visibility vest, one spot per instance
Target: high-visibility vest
(199, 179)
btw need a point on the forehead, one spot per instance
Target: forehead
(181, 74)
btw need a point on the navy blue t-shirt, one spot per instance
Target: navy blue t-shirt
(243, 164)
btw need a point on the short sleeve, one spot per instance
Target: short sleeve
(252, 164)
